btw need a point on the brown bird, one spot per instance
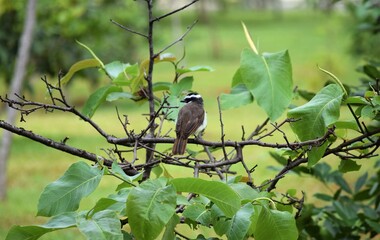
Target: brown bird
(191, 119)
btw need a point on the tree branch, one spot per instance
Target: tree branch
(59, 145)
(128, 29)
(175, 11)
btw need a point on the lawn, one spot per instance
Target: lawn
(311, 37)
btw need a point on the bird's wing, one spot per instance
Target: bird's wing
(188, 122)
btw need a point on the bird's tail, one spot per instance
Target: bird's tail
(179, 146)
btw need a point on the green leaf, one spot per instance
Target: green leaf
(275, 225)
(97, 98)
(316, 153)
(62, 221)
(337, 81)
(127, 74)
(184, 84)
(150, 206)
(104, 225)
(26, 232)
(348, 166)
(119, 171)
(306, 94)
(170, 227)
(316, 115)
(138, 81)
(115, 202)
(324, 197)
(65, 194)
(373, 224)
(245, 192)
(356, 100)
(83, 64)
(361, 181)
(368, 112)
(198, 213)
(346, 124)
(174, 102)
(113, 96)
(195, 69)
(219, 193)
(240, 223)
(161, 86)
(116, 68)
(237, 78)
(92, 53)
(339, 180)
(371, 71)
(269, 78)
(239, 96)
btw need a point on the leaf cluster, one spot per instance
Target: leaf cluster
(155, 207)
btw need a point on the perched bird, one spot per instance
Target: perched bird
(191, 119)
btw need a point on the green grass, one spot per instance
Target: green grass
(312, 38)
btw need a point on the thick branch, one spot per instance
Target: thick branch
(295, 145)
(59, 145)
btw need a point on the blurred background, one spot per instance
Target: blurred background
(328, 33)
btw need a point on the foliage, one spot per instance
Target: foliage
(350, 212)
(58, 28)
(366, 17)
(232, 206)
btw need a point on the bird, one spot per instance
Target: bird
(192, 119)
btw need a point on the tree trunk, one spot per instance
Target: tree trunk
(15, 88)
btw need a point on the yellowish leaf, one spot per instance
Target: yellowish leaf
(249, 39)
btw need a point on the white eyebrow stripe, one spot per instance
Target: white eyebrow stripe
(193, 96)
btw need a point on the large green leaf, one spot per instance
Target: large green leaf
(150, 206)
(97, 98)
(62, 221)
(269, 78)
(65, 194)
(316, 115)
(219, 193)
(275, 225)
(104, 225)
(240, 223)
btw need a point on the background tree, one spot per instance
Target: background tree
(16, 88)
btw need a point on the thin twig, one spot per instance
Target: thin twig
(222, 130)
(258, 129)
(175, 11)
(276, 127)
(178, 40)
(128, 29)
